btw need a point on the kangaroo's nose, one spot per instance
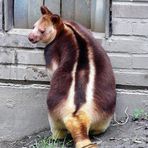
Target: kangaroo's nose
(30, 39)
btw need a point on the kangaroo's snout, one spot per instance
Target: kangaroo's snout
(32, 38)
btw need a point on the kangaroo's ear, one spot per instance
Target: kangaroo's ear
(45, 10)
(55, 18)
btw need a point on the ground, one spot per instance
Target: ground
(132, 134)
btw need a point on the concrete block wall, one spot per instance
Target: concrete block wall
(128, 50)
(22, 110)
(24, 82)
(129, 41)
(129, 18)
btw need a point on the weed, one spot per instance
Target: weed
(140, 114)
(50, 143)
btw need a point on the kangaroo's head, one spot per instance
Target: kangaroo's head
(46, 28)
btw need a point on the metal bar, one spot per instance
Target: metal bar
(98, 8)
(33, 11)
(53, 5)
(8, 14)
(107, 19)
(20, 14)
(68, 9)
(82, 12)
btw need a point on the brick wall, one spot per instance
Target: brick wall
(128, 49)
(24, 83)
(129, 42)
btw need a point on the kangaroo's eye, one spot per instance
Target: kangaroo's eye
(42, 31)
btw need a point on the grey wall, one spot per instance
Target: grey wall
(24, 83)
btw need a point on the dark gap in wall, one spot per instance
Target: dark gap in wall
(43, 2)
(110, 18)
(61, 8)
(15, 58)
(130, 87)
(28, 82)
(21, 64)
(3, 17)
(13, 13)
(24, 82)
(24, 48)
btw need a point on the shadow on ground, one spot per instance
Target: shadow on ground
(133, 134)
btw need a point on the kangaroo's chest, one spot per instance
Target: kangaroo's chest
(51, 68)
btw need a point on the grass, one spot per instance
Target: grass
(50, 143)
(140, 114)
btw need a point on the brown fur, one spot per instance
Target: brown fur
(77, 61)
(105, 93)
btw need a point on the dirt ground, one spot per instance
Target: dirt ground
(133, 134)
